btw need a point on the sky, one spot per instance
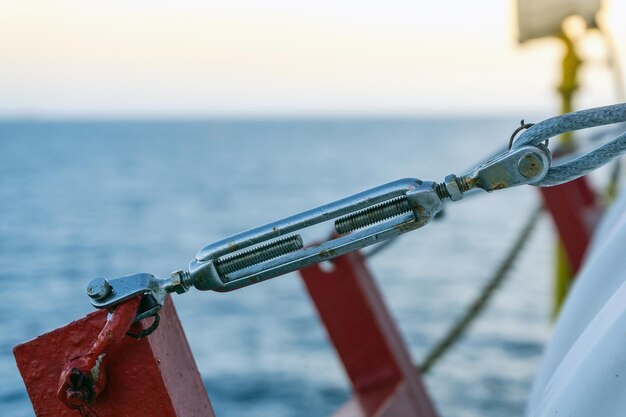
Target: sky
(188, 58)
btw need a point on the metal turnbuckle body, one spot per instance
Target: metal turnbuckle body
(363, 219)
(277, 248)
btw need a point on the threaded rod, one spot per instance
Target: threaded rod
(371, 215)
(442, 191)
(463, 183)
(259, 254)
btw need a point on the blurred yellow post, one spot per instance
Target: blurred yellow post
(569, 84)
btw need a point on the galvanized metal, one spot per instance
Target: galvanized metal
(260, 254)
(583, 119)
(130, 286)
(586, 163)
(99, 288)
(422, 200)
(360, 220)
(569, 122)
(524, 165)
(366, 218)
(372, 215)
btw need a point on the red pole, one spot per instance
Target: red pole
(575, 212)
(376, 359)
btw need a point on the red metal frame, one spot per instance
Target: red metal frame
(384, 379)
(157, 376)
(575, 212)
(151, 377)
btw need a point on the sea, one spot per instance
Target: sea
(84, 199)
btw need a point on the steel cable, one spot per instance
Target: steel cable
(586, 163)
(583, 119)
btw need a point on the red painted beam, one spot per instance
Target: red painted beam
(383, 377)
(151, 377)
(575, 213)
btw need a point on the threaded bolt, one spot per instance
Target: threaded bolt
(464, 184)
(371, 215)
(181, 281)
(453, 187)
(442, 191)
(259, 254)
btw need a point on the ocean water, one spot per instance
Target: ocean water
(86, 199)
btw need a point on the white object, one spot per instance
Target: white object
(583, 371)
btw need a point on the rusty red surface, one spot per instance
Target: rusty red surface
(84, 378)
(150, 377)
(574, 210)
(373, 353)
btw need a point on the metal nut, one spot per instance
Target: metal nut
(180, 280)
(452, 185)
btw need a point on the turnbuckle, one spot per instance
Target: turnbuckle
(360, 220)
(277, 248)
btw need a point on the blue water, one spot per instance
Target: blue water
(86, 199)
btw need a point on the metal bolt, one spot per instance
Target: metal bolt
(372, 215)
(259, 254)
(99, 288)
(530, 165)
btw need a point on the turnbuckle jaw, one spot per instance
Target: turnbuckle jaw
(109, 293)
(525, 165)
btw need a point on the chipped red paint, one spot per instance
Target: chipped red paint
(84, 378)
(376, 359)
(157, 376)
(151, 377)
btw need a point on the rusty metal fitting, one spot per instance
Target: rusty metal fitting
(84, 378)
(81, 389)
(180, 281)
(453, 187)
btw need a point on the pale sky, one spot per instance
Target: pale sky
(150, 58)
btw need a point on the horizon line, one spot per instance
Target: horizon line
(286, 116)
